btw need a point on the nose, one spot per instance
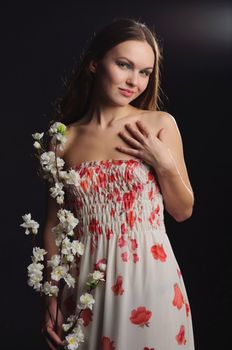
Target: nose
(132, 79)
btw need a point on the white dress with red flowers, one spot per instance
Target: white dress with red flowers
(143, 304)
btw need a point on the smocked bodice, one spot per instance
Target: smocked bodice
(117, 196)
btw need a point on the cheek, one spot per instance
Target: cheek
(113, 75)
(143, 84)
(108, 80)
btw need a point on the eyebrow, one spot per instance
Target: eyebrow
(133, 63)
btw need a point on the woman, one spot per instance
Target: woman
(130, 159)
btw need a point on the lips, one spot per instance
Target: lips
(127, 90)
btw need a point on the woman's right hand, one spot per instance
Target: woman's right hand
(52, 337)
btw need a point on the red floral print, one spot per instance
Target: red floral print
(178, 300)
(70, 304)
(124, 256)
(101, 261)
(128, 200)
(134, 244)
(101, 179)
(180, 337)
(151, 194)
(135, 258)
(112, 211)
(128, 175)
(117, 288)
(109, 233)
(107, 344)
(123, 228)
(138, 188)
(187, 309)
(94, 226)
(86, 315)
(121, 242)
(140, 316)
(130, 218)
(158, 252)
(153, 214)
(84, 185)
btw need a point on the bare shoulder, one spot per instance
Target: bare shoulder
(157, 120)
(161, 119)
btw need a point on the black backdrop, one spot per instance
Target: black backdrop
(40, 41)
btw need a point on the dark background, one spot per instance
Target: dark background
(40, 41)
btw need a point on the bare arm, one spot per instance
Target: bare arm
(50, 221)
(53, 338)
(174, 182)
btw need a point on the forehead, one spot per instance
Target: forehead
(140, 52)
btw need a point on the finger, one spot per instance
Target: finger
(137, 135)
(54, 337)
(144, 130)
(129, 151)
(51, 346)
(130, 140)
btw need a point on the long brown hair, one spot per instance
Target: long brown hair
(76, 100)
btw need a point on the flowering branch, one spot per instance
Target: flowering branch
(63, 263)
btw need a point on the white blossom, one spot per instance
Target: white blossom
(77, 247)
(73, 339)
(38, 254)
(57, 131)
(30, 225)
(98, 275)
(50, 162)
(59, 235)
(58, 272)
(60, 200)
(37, 145)
(66, 326)
(37, 136)
(35, 275)
(69, 280)
(72, 342)
(66, 249)
(56, 128)
(57, 192)
(66, 246)
(87, 301)
(102, 267)
(54, 261)
(71, 177)
(70, 321)
(50, 289)
(68, 221)
(71, 318)
(78, 333)
(94, 278)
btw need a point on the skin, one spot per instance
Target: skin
(128, 132)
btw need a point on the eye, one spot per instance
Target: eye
(123, 64)
(146, 73)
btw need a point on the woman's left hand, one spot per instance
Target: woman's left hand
(147, 146)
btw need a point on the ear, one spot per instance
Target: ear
(93, 66)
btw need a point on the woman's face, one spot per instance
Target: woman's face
(126, 66)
